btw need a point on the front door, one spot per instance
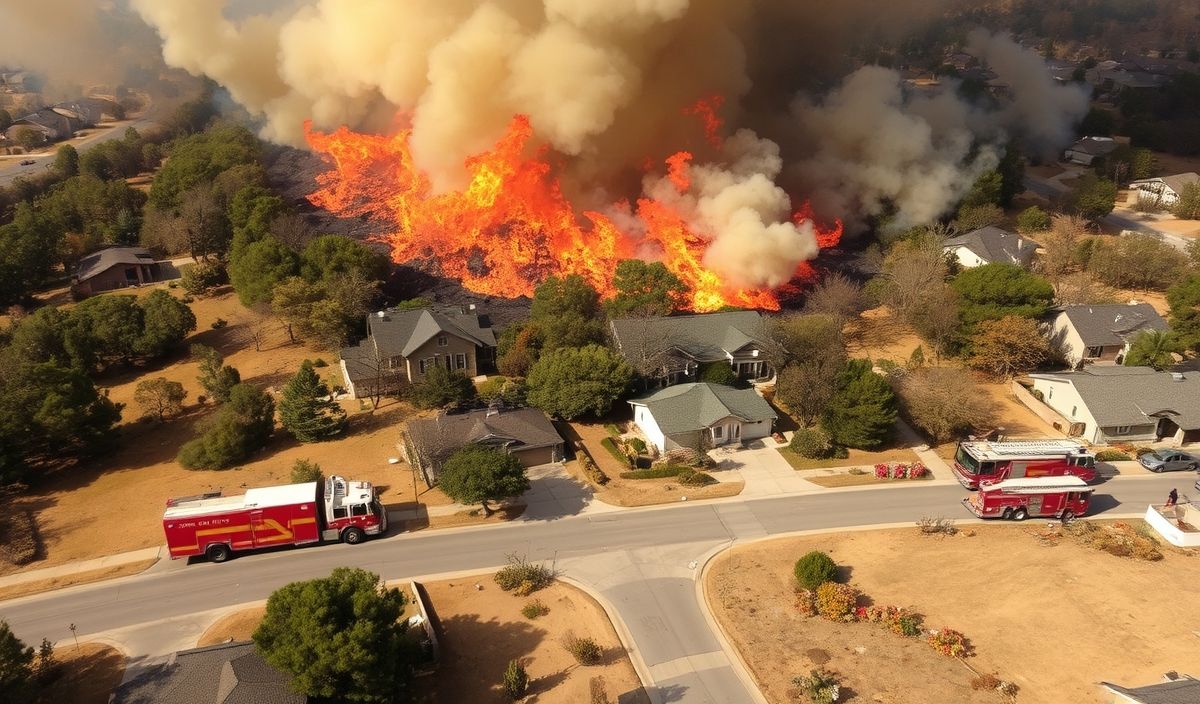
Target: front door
(1166, 429)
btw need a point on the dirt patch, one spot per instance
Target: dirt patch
(90, 674)
(237, 626)
(877, 334)
(1012, 415)
(470, 517)
(1049, 589)
(481, 630)
(855, 458)
(70, 580)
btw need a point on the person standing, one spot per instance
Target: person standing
(1172, 497)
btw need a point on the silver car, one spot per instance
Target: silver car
(1169, 461)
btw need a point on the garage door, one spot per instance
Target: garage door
(536, 455)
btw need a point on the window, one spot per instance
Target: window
(737, 431)
(718, 432)
(422, 363)
(395, 362)
(1051, 394)
(1122, 430)
(1073, 409)
(460, 361)
(340, 512)
(358, 510)
(443, 341)
(1094, 351)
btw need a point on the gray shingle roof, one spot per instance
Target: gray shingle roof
(1096, 146)
(1178, 181)
(687, 407)
(512, 427)
(402, 332)
(105, 259)
(1181, 691)
(995, 246)
(705, 338)
(1112, 324)
(1136, 395)
(230, 673)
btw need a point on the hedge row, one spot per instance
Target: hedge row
(670, 470)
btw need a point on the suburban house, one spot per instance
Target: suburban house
(229, 673)
(525, 433)
(671, 350)
(990, 245)
(1089, 149)
(402, 345)
(696, 415)
(119, 267)
(1164, 190)
(1174, 689)
(1089, 334)
(1105, 405)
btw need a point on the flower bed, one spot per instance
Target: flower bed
(900, 470)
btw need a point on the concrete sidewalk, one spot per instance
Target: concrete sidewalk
(69, 568)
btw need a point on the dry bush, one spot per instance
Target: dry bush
(1119, 539)
(19, 540)
(943, 402)
(586, 651)
(985, 682)
(598, 691)
(523, 577)
(930, 525)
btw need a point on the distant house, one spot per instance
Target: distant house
(1174, 689)
(525, 433)
(990, 245)
(118, 267)
(1090, 334)
(671, 350)
(691, 415)
(1089, 149)
(230, 673)
(402, 345)
(1165, 190)
(1104, 405)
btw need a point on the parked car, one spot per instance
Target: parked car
(27, 162)
(1169, 461)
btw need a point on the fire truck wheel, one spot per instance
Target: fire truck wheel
(1019, 514)
(1068, 516)
(217, 553)
(1007, 514)
(353, 536)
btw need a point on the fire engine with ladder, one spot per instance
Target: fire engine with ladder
(293, 514)
(983, 460)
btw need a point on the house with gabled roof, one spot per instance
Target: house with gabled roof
(990, 245)
(1105, 405)
(1174, 689)
(1164, 190)
(113, 268)
(1089, 149)
(524, 433)
(1100, 334)
(403, 345)
(671, 350)
(229, 673)
(702, 415)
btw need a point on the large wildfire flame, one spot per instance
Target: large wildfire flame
(511, 227)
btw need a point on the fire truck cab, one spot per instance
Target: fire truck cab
(1062, 497)
(981, 460)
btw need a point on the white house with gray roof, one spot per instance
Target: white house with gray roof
(1104, 405)
(1100, 334)
(990, 245)
(689, 415)
(671, 350)
(403, 345)
(1164, 190)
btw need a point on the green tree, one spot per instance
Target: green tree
(1137, 261)
(340, 637)
(809, 352)
(200, 159)
(1033, 219)
(571, 382)
(566, 313)
(160, 397)
(166, 322)
(215, 376)
(973, 217)
(239, 428)
(304, 471)
(66, 161)
(1184, 299)
(202, 277)
(1008, 346)
(27, 137)
(1152, 348)
(16, 667)
(329, 256)
(306, 409)
(1143, 164)
(995, 290)
(293, 300)
(442, 387)
(986, 190)
(718, 373)
(1094, 197)
(862, 412)
(260, 268)
(645, 288)
(476, 474)
(1188, 205)
(109, 326)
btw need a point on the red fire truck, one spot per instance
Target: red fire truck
(293, 514)
(982, 460)
(1061, 497)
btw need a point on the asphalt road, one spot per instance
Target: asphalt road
(643, 562)
(11, 168)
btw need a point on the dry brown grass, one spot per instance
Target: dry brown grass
(70, 580)
(236, 626)
(846, 479)
(90, 674)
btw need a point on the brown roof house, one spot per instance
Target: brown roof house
(402, 345)
(525, 433)
(230, 673)
(119, 267)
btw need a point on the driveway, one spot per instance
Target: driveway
(763, 469)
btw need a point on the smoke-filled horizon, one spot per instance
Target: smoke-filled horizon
(604, 85)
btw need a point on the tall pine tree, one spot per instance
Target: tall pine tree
(306, 409)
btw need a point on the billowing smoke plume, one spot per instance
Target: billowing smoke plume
(603, 84)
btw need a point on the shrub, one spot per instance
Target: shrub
(19, 540)
(949, 642)
(638, 445)
(985, 682)
(1037, 393)
(516, 680)
(586, 651)
(304, 471)
(533, 609)
(917, 470)
(219, 323)
(690, 477)
(718, 373)
(612, 429)
(932, 526)
(659, 472)
(613, 450)
(839, 453)
(320, 363)
(591, 471)
(1143, 451)
(686, 456)
(806, 602)
(598, 692)
(836, 602)
(1111, 456)
(899, 621)
(812, 443)
(814, 569)
(201, 278)
(521, 575)
(820, 687)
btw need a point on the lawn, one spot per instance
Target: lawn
(856, 458)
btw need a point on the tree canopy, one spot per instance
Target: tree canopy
(240, 427)
(566, 313)
(1137, 261)
(261, 266)
(328, 256)
(306, 409)
(1093, 197)
(993, 291)
(862, 412)
(217, 378)
(1184, 299)
(645, 288)
(442, 387)
(1008, 346)
(476, 474)
(1152, 348)
(572, 382)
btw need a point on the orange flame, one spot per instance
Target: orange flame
(511, 226)
(706, 109)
